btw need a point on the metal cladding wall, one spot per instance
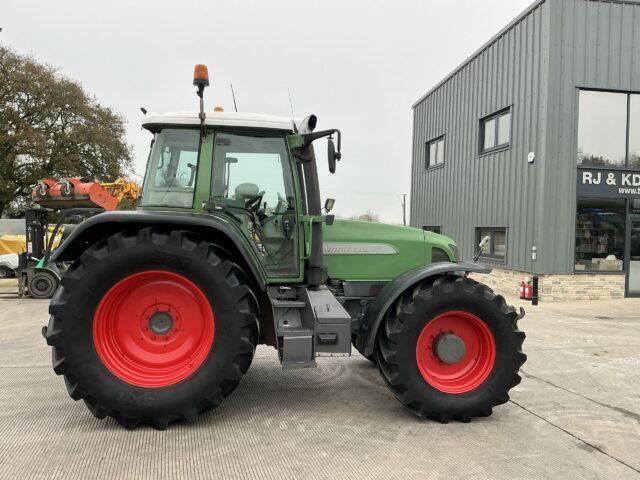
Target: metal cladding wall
(595, 44)
(496, 189)
(534, 65)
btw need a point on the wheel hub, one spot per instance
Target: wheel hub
(161, 323)
(153, 328)
(449, 348)
(455, 351)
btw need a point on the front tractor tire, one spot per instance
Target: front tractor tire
(450, 349)
(151, 327)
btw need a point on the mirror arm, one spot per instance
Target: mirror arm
(308, 138)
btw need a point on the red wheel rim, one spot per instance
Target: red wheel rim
(153, 329)
(474, 366)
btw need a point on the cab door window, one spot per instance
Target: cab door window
(252, 178)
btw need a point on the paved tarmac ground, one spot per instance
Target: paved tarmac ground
(576, 414)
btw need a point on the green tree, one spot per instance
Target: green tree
(51, 128)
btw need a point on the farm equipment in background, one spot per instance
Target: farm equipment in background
(73, 199)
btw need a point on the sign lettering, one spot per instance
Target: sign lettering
(608, 183)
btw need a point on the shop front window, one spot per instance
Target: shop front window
(600, 235)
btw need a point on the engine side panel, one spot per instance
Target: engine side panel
(368, 251)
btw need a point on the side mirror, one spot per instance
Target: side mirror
(328, 204)
(332, 155)
(481, 245)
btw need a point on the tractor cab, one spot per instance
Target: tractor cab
(239, 168)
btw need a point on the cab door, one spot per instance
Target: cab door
(253, 180)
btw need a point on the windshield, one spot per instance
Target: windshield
(171, 172)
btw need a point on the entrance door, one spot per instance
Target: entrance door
(633, 282)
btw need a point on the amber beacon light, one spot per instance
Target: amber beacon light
(201, 75)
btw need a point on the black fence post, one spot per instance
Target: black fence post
(534, 298)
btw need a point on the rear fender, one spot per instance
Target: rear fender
(391, 292)
(106, 224)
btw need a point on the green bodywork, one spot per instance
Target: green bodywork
(404, 248)
(354, 250)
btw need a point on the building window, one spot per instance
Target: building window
(496, 247)
(495, 131)
(609, 129)
(600, 235)
(432, 228)
(435, 152)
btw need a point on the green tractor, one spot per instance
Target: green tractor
(159, 316)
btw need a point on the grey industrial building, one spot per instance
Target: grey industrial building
(535, 141)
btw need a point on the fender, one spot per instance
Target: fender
(365, 341)
(109, 223)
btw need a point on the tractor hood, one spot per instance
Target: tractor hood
(368, 251)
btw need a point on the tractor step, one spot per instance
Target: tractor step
(297, 348)
(309, 323)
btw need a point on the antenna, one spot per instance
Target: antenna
(234, 98)
(290, 103)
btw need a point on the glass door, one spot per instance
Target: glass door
(633, 282)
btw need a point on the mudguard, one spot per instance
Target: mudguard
(365, 342)
(108, 223)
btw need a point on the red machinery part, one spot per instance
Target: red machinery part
(72, 193)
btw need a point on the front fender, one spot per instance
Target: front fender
(365, 342)
(106, 224)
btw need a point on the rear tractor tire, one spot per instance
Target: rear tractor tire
(151, 327)
(450, 349)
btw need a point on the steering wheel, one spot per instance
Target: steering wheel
(253, 203)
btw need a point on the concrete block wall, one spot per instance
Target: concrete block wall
(557, 288)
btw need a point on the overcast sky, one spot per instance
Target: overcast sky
(358, 65)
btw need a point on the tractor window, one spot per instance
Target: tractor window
(252, 178)
(171, 172)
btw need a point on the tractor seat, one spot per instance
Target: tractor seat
(245, 191)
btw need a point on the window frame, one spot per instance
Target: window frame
(628, 93)
(433, 228)
(481, 134)
(427, 153)
(491, 255)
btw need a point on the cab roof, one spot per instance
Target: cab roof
(152, 121)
